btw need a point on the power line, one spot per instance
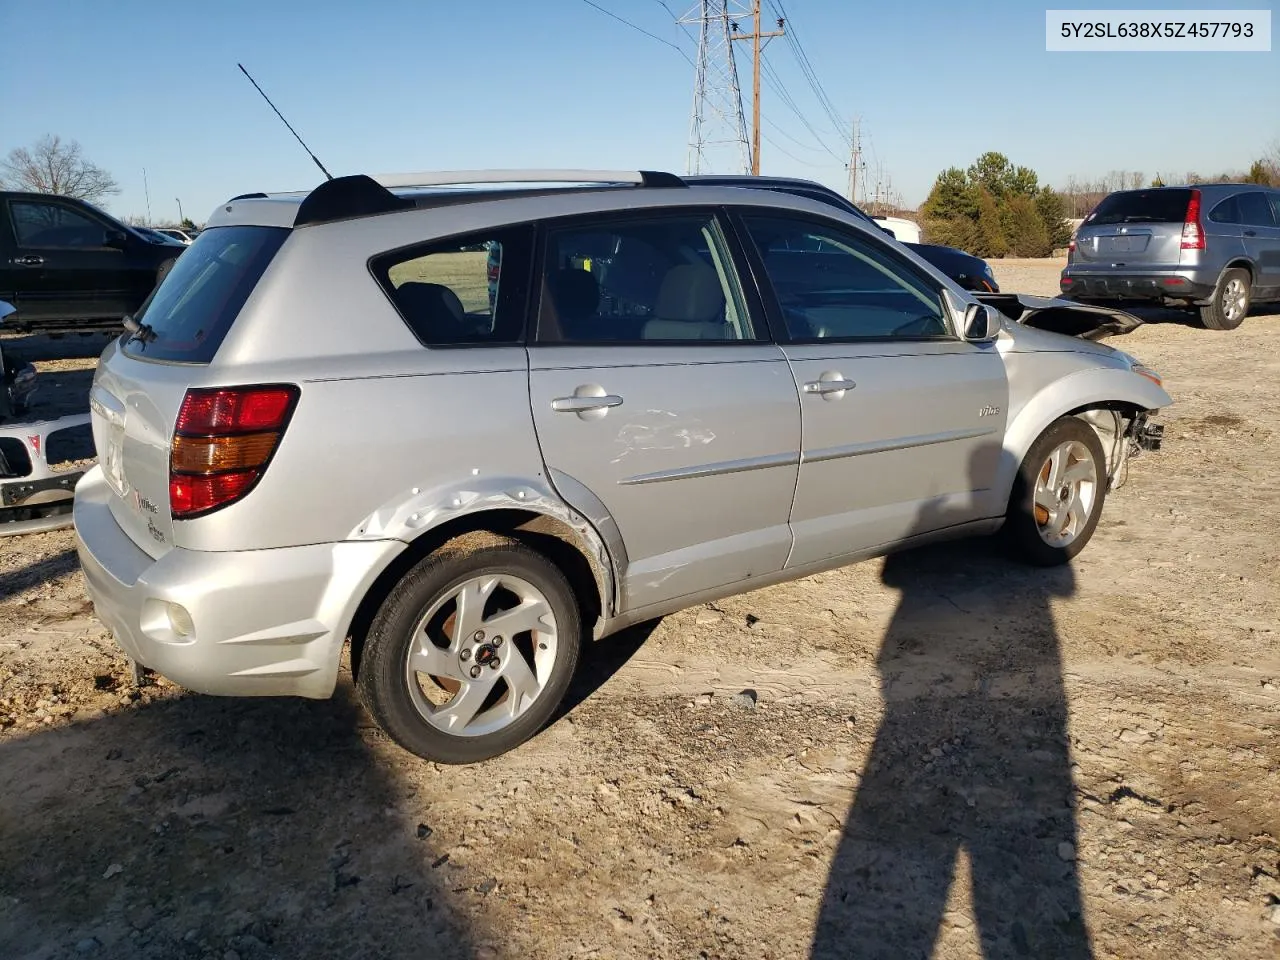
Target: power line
(786, 153)
(810, 74)
(775, 83)
(651, 36)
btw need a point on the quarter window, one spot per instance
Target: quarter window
(834, 285)
(466, 290)
(1228, 211)
(644, 280)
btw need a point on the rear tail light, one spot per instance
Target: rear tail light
(223, 440)
(1192, 231)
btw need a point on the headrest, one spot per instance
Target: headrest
(576, 294)
(432, 309)
(690, 292)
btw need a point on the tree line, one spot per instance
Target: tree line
(995, 209)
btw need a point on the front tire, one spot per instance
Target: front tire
(1230, 302)
(1058, 494)
(472, 651)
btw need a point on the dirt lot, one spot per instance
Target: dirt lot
(944, 749)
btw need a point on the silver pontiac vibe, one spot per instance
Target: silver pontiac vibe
(468, 421)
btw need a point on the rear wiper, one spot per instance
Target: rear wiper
(138, 331)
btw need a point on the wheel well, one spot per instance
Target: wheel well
(549, 536)
(1241, 264)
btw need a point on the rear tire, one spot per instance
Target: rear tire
(472, 651)
(1058, 494)
(1229, 305)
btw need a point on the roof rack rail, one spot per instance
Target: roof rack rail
(443, 178)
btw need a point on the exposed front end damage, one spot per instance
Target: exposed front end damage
(1125, 434)
(1085, 320)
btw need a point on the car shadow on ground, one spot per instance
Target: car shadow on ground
(195, 826)
(971, 760)
(600, 661)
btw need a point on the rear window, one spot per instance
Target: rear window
(191, 311)
(1142, 206)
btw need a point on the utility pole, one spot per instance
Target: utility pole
(147, 190)
(855, 162)
(180, 216)
(755, 36)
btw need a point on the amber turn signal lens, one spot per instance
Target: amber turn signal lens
(215, 454)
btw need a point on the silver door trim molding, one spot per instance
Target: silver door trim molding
(715, 469)
(883, 446)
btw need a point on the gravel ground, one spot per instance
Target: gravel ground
(939, 754)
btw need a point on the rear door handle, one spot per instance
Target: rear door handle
(824, 387)
(583, 404)
(27, 261)
(1251, 233)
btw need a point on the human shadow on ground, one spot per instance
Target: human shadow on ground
(45, 570)
(972, 755)
(202, 827)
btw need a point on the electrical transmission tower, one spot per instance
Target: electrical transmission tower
(718, 127)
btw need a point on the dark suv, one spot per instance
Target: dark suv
(1214, 247)
(65, 262)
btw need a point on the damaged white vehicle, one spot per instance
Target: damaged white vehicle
(35, 495)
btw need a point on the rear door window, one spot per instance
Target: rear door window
(648, 279)
(1141, 206)
(1255, 211)
(189, 314)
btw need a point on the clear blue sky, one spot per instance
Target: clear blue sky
(387, 85)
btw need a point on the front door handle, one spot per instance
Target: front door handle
(825, 387)
(583, 404)
(1251, 233)
(27, 261)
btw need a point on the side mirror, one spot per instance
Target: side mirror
(889, 232)
(981, 323)
(114, 238)
(6, 309)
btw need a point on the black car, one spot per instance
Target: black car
(65, 263)
(972, 273)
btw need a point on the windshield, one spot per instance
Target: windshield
(1141, 206)
(190, 312)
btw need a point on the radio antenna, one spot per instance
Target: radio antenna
(328, 175)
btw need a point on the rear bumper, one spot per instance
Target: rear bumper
(265, 622)
(1083, 283)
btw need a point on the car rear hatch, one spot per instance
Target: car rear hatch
(143, 378)
(1133, 228)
